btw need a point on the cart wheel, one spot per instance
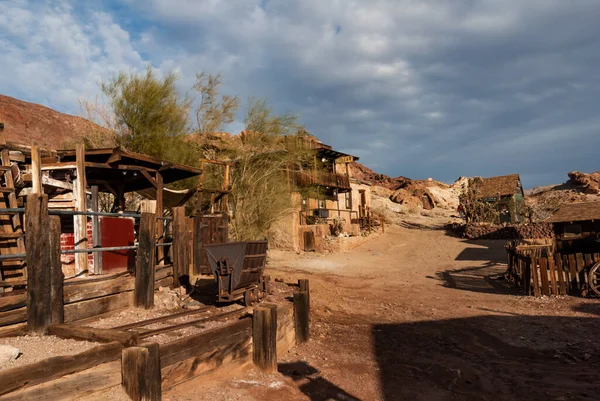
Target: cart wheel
(248, 298)
(594, 278)
(256, 295)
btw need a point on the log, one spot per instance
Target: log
(13, 300)
(145, 264)
(264, 338)
(57, 278)
(86, 333)
(14, 330)
(85, 309)
(301, 316)
(38, 263)
(56, 367)
(90, 290)
(140, 372)
(13, 316)
(72, 386)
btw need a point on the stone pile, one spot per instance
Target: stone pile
(508, 232)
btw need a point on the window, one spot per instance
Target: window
(348, 199)
(322, 204)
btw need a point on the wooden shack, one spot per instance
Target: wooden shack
(506, 193)
(577, 227)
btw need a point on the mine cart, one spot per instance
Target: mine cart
(238, 269)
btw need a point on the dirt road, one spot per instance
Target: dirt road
(417, 314)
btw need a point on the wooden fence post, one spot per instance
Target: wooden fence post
(264, 338)
(80, 222)
(140, 372)
(180, 245)
(301, 316)
(145, 263)
(304, 286)
(56, 274)
(38, 263)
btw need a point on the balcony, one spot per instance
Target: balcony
(321, 178)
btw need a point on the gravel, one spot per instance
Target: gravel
(35, 348)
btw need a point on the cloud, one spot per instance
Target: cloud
(450, 88)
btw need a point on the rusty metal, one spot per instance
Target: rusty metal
(238, 268)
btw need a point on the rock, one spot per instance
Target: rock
(8, 354)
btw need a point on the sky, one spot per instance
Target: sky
(417, 88)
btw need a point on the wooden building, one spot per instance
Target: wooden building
(506, 193)
(577, 227)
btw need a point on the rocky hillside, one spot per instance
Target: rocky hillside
(32, 123)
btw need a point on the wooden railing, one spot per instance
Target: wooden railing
(333, 180)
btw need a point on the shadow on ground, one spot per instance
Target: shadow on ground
(489, 358)
(312, 384)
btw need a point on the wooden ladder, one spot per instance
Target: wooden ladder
(12, 239)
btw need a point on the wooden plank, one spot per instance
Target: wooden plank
(80, 222)
(264, 338)
(140, 371)
(11, 235)
(13, 300)
(228, 354)
(161, 318)
(573, 273)
(38, 263)
(90, 290)
(160, 213)
(589, 261)
(179, 326)
(14, 330)
(13, 316)
(56, 367)
(165, 282)
(163, 272)
(543, 263)
(57, 278)
(85, 333)
(581, 276)
(15, 219)
(36, 172)
(145, 264)
(59, 166)
(74, 386)
(552, 272)
(85, 309)
(302, 316)
(562, 282)
(180, 249)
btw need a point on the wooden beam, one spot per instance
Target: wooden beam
(59, 166)
(144, 270)
(11, 198)
(38, 263)
(36, 172)
(56, 367)
(84, 309)
(160, 213)
(49, 182)
(96, 232)
(85, 333)
(13, 300)
(140, 372)
(150, 179)
(80, 222)
(85, 290)
(180, 246)
(264, 338)
(57, 278)
(301, 314)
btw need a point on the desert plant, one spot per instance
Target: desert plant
(475, 209)
(337, 226)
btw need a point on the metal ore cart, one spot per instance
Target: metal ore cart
(238, 268)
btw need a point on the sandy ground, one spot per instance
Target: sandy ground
(418, 314)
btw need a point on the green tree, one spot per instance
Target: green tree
(151, 115)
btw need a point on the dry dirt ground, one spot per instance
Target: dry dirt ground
(418, 314)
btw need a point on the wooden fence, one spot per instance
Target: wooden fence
(539, 272)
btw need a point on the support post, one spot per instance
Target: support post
(57, 277)
(304, 286)
(160, 213)
(301, 316)
(180, 245)
(144, 269)
(264, 338)
(38, 263)
(96, 233)
(140, 373)
(80, 222)
(198, 238)
(36, 170)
